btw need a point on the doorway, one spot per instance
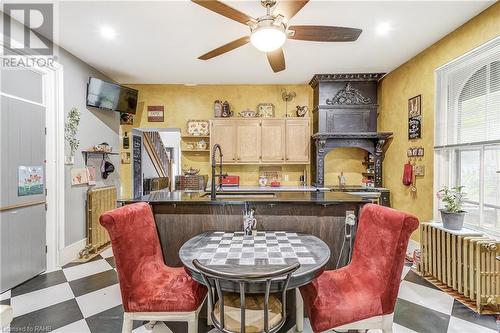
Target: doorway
(31, 195)
(156, 157)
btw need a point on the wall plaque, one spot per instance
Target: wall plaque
(156, 113)
(415, 117)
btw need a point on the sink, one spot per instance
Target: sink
(236, 195)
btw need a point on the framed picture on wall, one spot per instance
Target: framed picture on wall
(415, 117)
(156, 113)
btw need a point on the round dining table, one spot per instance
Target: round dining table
(265, 251)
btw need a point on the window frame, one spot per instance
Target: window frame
(447, 167)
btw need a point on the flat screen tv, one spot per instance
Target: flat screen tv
(111, 96)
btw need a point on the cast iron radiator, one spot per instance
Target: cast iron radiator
(99, 201)
(462, 264)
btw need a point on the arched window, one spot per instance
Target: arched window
(467, 133)
(478, 106)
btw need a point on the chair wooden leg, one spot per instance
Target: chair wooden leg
(127, 324)
(193, 323)
(299, 314)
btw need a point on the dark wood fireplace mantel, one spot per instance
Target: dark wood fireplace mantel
(345, 115)
(372, 142)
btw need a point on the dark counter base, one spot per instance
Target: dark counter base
(177, 223)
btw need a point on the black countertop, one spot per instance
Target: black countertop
(203, 198)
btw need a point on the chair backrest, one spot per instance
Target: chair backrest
(379, 250)
(214, 279)
(134, 240)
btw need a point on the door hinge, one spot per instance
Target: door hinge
(45, 248)
(45, 130)
(46, 206)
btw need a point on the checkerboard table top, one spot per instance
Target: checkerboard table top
(235, 252)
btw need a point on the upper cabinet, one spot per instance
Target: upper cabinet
(248, 141)
(273, 137)
(262, 141)
(223, 132)
(298, 137)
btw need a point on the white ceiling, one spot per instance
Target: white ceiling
(159, 42)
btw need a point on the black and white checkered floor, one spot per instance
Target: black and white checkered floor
(86, 298)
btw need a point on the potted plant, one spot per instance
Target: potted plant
(70, 131)
(452, 213)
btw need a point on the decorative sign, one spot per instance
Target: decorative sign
(126, 119)
(92, 175)
(155, 113)
(79, 176)
(30, 180)
(415, 117)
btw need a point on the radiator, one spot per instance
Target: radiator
(463, 263)
(99, 201)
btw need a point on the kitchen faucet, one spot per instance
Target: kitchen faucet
(213, 190)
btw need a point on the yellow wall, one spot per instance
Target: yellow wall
(183, 103)
(413, 78)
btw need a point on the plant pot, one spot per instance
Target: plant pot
(452, 221)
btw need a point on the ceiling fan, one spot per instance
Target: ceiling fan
(268, 33)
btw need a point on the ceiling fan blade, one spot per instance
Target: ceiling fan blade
(225, 48)
(288, 8)
(276, 60)
(224, 10)
(320, 33)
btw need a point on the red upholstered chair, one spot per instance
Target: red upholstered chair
(150, 290)
(362, 295)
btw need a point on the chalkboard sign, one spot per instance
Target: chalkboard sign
(415, 117)
(137, 164)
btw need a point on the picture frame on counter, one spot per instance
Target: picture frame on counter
(265, 110)
(156, 113)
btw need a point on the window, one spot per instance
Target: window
(467, 133)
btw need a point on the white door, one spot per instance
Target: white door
(22, 171)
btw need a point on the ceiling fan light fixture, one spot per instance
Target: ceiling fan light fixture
(268, 37)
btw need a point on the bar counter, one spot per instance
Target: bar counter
(180, 216)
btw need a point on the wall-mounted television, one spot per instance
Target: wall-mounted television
(111, 96)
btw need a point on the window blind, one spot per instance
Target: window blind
(469, 111)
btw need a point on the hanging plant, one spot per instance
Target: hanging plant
(71, 129)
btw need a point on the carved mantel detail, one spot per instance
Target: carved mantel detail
(348, 96)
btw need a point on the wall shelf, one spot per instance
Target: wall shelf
(86, 154)
(195, 136)
(195, 150)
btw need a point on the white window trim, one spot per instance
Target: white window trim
(444, 170)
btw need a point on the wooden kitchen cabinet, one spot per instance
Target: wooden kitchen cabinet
(262, 141)
(223, 132)
(273, 140)
(248, 141)
(297, 140)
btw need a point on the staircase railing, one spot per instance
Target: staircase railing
(157, 152)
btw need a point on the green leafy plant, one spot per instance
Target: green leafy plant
(71, 129)
(452, 198)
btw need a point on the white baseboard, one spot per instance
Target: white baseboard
(70, 252)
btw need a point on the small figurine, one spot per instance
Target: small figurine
(301, 110)
(342, 181)
(249, 223)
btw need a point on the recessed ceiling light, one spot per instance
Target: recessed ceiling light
(383, 28)
(107, 32)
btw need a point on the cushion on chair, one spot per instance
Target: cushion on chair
(146, 283)
(368, 286)
(254, 313)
